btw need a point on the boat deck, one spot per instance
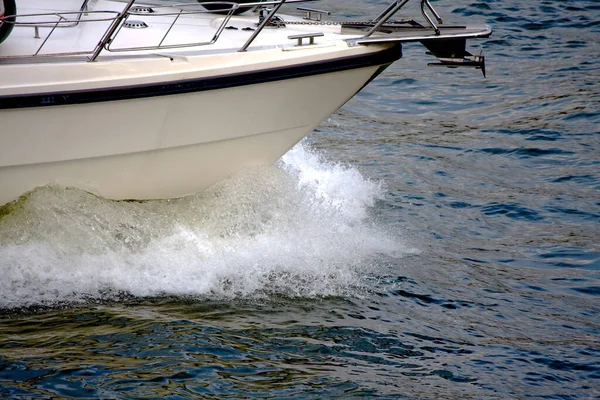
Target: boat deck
(53, 32)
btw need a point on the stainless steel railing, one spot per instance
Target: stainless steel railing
(117, 19)
(393, 8)
(113, 31)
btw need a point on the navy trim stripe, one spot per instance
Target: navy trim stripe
(386, 56)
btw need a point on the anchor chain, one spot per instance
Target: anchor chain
(312, 22)
(333, 23)
(281, 22)
(326, 22)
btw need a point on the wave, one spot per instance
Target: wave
(300, 228)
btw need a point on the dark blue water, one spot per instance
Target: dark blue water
(438, 237)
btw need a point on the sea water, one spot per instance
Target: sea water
(438, 237)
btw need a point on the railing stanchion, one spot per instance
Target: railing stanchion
(262, 25)
(384, 17)
(60, 18)
(431, 23)
(106, 38)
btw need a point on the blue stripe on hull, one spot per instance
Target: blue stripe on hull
(383, 57)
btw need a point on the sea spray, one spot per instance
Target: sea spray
(301, 228)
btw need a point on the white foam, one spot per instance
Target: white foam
(343, 187)
(301, 228)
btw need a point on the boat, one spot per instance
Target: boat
(155, 99)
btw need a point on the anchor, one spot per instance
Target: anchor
(452, 54)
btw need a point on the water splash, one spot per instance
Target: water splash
(301, 228)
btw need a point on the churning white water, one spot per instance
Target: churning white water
(300, 228)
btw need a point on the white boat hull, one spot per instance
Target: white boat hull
(165, 146)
